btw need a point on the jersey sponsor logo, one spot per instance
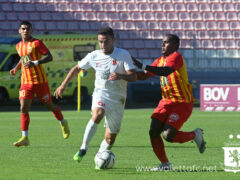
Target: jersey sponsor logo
(173, 117)
(114, 62)
(22, 93)
(29, 49)
(100, 103)
(98, 64)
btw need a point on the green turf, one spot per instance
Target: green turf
(50, 156)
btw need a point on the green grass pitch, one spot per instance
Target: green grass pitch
(49, 156)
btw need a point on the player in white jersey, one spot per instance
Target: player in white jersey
(114, 67)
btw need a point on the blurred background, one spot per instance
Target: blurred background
(209, 31)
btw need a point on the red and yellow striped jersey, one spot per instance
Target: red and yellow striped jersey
(175, 87)
(31, 51)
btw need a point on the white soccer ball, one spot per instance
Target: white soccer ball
(105, 159)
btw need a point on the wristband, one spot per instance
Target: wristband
(35, 63)
(144, 67)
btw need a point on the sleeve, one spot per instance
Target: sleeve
(128, 62)
(175, 61)
(85, 62)
(155, 64)
(40, 46)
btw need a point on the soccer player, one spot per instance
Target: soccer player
(33, 54)
(176, 104)
(114, 67)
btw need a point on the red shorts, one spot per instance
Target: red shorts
(174, 114)
(27, 91)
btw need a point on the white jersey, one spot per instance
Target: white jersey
(119, 61)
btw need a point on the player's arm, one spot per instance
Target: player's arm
(161, 71)
(45, 59)
(130, 76)
(70, 76)
(15, 69)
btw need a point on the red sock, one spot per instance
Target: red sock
(24, 121)
(159, 149)
(182, 137)
(58, 114)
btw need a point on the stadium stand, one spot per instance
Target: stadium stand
(208, 28)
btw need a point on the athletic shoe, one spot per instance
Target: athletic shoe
(199, 140)
(23, 141)
(79, 155)
(97, 168)
(163, 167)
(65, 130)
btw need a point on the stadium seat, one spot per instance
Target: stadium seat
(223, 26)
(148, 16)
(144, 7)
(228, 7)
(101, 16)
(218, 44)
(136, 16)
(23, 16)
(46, 16)
(129, 26)
(72, 25)
(75, 7)
(203, 63)
(216, 7)
(63, 7)
(184, 16)
(123, 34)
(189, 34)
(172, 16)
(214, 34)
(41, 7)
(12, 16)
(207, 44)
(156, 7)
(83, 25)
(143, 53)
(7, 7)
(164, 26)
(145, 34)
(154, 53)
(160, 16)
(187, 26)
(211, 25)
(78, 16)
(229, 44)
(204, 7)
(57, 16)
(176, 25)
(68, 16)
(211, 53)
(29, 7)
(236, 35)
(109, 7)
(18, 7)
(234, 25)
(231, 16)
(121, 7)
(132, 7)
(202, 35)
(219, 16)
(61, 25)
(186, 44)
(177, 1)
(153, 25)
(141, 25)
(181, 34)
(196, 16)
(166, 7)
(192, 7)
(199, 26)
(51, 7)
(117, 25)
(180, 7)
(208, 16)
(138, 43)
(86, 7)
(125, 16)
(90, 16)
(188, 53)
(51, 26)
(133, 52)
(39, 25)
(157, 34)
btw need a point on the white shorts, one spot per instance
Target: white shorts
(113, 112)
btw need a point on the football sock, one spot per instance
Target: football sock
(159, 149)
(104, 146)
(63, 121)
(24, 121)
(58, 114)
(182, 137)
(25, 133)
(90, 131)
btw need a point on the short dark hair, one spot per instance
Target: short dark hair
(27, 23)
(174, 39)
(106, 31)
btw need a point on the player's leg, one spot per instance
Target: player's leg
(108, 141)
(178, 114)
(25, 105)
(91, 128)
(44, 96)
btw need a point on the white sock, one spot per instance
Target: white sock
(63, 121)
(104, 146)
(24, 133)
(90, 131)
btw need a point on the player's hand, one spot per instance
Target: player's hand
(137, 63)
(28, 64)
(114, 76)
(59, 92)
(13, 72)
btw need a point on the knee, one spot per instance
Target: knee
(110, 140)
(167, 136)
(23, 109)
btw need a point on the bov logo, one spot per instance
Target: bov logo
(232, 157)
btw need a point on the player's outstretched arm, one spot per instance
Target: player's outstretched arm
(72, 73)
(45, 59)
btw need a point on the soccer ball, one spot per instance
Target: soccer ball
(104, 159)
